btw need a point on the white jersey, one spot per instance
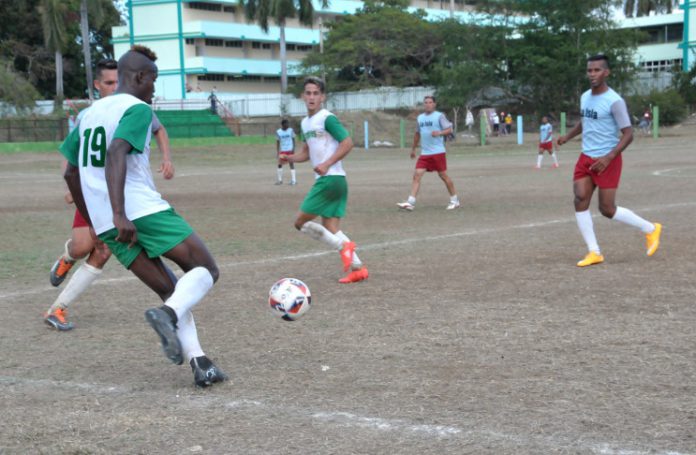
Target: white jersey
(124, 117)
(322, 132)
(285, 137)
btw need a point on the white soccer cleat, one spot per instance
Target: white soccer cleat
(405, 206)
(453, 205)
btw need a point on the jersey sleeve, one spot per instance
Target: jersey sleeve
(620, 113)
(70, 148)
(333, 126)
(444, 123)
(134, 126)
(156, 125)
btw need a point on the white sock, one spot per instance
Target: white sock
(540, 158)
(66, 253)
(555, 159)
(189, 290)
(357, 263)
(188, 336)
(411, 200)
(587, 230)
(83, 277)
(280, 174)
(454, 199)
(627, 216)
(292, 175)
(319, 232)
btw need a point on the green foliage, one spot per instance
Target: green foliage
(15, 91)
(672, 105)
(684, 82)
(645, 7)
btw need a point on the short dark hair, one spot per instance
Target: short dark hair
(316, 81)
(284, 122)
(146, 51)
(429, 96)
(599, 58)
(104, 64)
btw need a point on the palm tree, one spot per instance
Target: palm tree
(52, 14)
(95, 10)
(645, 7)
(262, 11)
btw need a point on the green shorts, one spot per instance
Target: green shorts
(157, 234)
(327, 198)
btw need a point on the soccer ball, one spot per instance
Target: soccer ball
(289, 299)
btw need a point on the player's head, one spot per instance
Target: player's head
(544, 120)
(429, 104)
(137, 73)
(284, 124)
(313, 93)
(106, 77)
(597, 69)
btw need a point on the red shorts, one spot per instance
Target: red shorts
(608, 179)
(79, 221)
(432, 163)
(548, 146)
(291, 152)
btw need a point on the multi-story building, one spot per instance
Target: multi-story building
(659, 49)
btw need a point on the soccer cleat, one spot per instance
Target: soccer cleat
(555, 165)
(591, 259)
(293, 183)
(58, 319)
(355, 276)
(205, 372)
(652, 240)
(406, 206)
(162, 323)
(453, 205)
(537, 167)
(60, 270)
(347, 255)
(278, 182)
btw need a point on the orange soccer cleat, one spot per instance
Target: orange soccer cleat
(58, 319)
(347, 255)
(652, 240)
(355, 276)
(591, 259)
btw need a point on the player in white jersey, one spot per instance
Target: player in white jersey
(546, 142)
(326, 143)
(285, 145)
(604, 114)
(82, 243)
(109, 177)
(432, 128)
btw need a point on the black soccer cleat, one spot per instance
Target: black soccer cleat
(205, 372)
(162, 323)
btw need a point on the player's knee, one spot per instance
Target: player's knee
(78, 249)
(214, 271)
(299, 224)
(608, 210)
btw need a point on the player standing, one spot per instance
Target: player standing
(546, 142)
(82, 243)
(604, 114)
(431, 131)
(109, 176)
(326, 143)
(285, 145)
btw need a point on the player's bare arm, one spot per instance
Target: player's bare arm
(602, 163)
(344, 147)
(577, 129)
(166, 167)
(116, 182)
(72, 178)
(416, 142)
(444, 132)
(299, 157)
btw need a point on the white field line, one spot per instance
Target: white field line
(341, 418)
(367, 247)
(670, 172)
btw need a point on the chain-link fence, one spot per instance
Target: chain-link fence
(33, 130)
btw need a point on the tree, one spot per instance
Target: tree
(263, 11)
(637, 8)
(53, 18)
(96, 10)
(15, 90)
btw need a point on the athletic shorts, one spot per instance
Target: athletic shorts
(430, 163)
(548, 146)
(79, 221)
(327, 198)
(608, 179)
(289, 152)
(157, 234)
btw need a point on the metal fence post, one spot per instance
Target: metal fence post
(520, 130)
(402, 133)
(367, 136)
(483, 129)
(563, 123)
(656, 122)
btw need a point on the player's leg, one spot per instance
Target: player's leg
(293, 175)
(410, 203)
(279, 172)
(583, 188)
(608, 207)
(552, 152)
(77, 247)
(454, 199)
(358, 270)
(540, 157)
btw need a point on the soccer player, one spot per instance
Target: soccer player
(604, 114)
(82, 243)
(432, 128)
(546, 142)
(326, 143)
(285, 145)
(109, 176)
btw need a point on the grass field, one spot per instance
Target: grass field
(475, 333)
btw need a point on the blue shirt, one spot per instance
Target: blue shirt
(285, 138)
(545, 133)
(603, 116)
(427, 123)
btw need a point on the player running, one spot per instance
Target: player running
(285, 145)
(326, 143)
(109, 176)
(603, 114)
(82, 242)
(431, 131)
(546, 142)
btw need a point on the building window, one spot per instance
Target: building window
(654, 66)
(234, 44)
(256, 45)
(265, 45)
(243, 77)
(229, 9)
(190, 41)
(670, 33)
(303, 48)
(204, 6)
(213, 42)
(211, 77)
(290, 47)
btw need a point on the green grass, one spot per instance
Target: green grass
(50, 147)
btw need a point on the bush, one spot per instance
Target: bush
(672, 106)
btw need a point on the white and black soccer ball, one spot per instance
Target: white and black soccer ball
(289, 299)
